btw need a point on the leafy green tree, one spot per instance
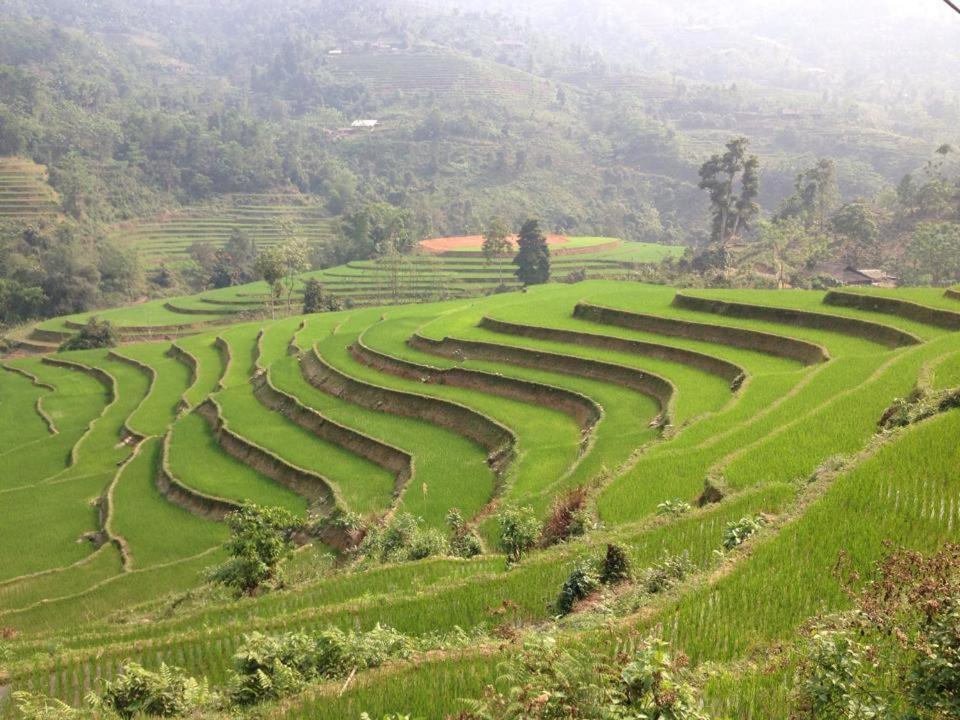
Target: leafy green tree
(519, 531)
(815, 196)
(20, 302)
(234, 263)
(785, 245)
(312, 296)
(857, 231)
(533, 255)
(495, 242)
(279, 266)
(94, 334)
(933, 254)
(260, 540)
(732, 211)
(271, 267)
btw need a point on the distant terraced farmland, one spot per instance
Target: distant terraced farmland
(267, 219)
(122, 464)
(24, 192)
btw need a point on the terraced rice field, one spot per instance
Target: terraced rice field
(24, 192)
(267, 219)
(417, 278)
(120, 465)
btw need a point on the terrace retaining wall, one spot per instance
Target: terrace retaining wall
(953, 293)
(585, 412)
(801, 351)
(945, 319)
(386, 456)
(309, 485)
(643, 382)
(498, 441)
(875, 332)
(193, 501)
(729, 371)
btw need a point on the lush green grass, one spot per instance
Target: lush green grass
(170, 380)
(198, 461)
(358, 481)
(759, 445)
(156, 531)
(548, 440)
(812, 301)
(906, 494)
(934, 297)
(20, 420)
(210, 367)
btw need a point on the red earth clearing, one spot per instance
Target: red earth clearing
(473, 242)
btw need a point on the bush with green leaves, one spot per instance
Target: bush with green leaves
(401, 540)
(738, 532)
(167, 692)
(670, 570)
(94, 334)
(464, 541)
(547, 681)
(616, 565)
(270, 667)
(673, 508)
(519, 531)
(656, 684)
(896, 655)
(260, 540)
(582, 581)
(35, 706)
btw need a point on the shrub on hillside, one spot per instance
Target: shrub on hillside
(896, 655)
(403, 539)
(168, 692)
(674, 508)
(616, 565)
(260, 540)
(548, 682)
(670, 570)
(737, 533)
(270, 667)
(519, 531)
(579, 584)
(95, 334)
(464, 541)
(568, 517)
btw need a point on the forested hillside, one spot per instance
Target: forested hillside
(164, 125)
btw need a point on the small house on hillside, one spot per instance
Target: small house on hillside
(849, 275)
(367, 124)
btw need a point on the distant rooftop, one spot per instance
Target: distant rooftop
(364, 123)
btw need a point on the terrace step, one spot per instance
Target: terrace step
(801, 351)
(892, 306)
(729, 371)
(875, 332)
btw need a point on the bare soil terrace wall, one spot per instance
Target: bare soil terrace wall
(729, 371)
(875, 332)
(582, 409)
(653, 386)
(311, 486)
(193, 501)
(498, 441)
(902, 308)
(386, 456)
(791, 348)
